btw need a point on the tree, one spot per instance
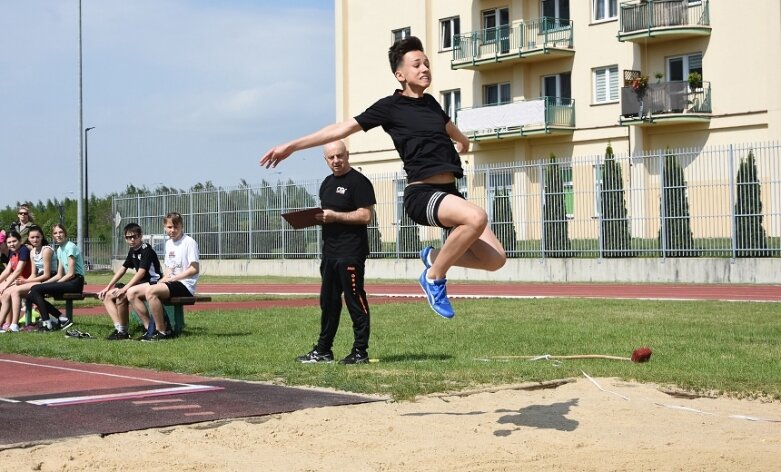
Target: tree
(616, 241)
(675, 234)
(555, 233)
(502, 220)
(750, 234)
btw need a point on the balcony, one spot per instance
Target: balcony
(536, 40)
(541, 116)
(666, 103)
(663, 20)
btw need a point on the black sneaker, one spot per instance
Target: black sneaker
(356, 357)
(158, 336)
(76, 334)
(118, 335)
(314, 356)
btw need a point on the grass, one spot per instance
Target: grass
(701, 346)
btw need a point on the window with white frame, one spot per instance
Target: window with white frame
(605, 83)
(558, 86)
(604, 9)
(496, 94)
(448, 28)
(401, 33)
(679, 67)
(556, 13)
(451, 102)
(496, 27)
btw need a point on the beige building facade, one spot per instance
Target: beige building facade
(527, 78)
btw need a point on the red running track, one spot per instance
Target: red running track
(726, 292)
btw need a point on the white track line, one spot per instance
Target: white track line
(180, 387)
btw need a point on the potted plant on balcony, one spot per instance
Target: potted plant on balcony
(695, 81)
(659, 76)
(639, 84)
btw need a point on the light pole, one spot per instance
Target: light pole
(86, 182)
(80, 201)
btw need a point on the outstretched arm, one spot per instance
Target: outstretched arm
(462, 142)
(323, 136)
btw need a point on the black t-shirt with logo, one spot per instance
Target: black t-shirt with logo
(417, 127)
(144, 258)
(348, 192)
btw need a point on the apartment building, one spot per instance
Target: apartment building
(527, 78)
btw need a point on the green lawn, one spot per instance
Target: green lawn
(702, 346)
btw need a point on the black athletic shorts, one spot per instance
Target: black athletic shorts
(421, 202)
(178, 289)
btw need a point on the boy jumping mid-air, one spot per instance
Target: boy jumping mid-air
(423, 136)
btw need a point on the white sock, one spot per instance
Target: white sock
(14, 327)
(428, 258)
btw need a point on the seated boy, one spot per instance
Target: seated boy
(141, 258)
(182, 266)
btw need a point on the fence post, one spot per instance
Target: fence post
(541, 172)
(733, 220)
(249, 221)
(662, 208)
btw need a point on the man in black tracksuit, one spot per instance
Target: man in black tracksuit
(347, 198)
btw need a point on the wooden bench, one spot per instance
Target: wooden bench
(68, 298)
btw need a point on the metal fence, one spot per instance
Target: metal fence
(710, 202)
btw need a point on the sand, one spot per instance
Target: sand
(576, 426)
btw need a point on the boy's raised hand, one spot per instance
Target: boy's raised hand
(275, 155)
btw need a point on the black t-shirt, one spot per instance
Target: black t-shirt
(348, 192)
(144, 258)
(417, 127)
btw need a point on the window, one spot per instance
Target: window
(448, 28)
(558, 86)
(604, 9)
(679, 68)
(451, 102)
(496, 27)
(556, 13)
(400, 34)
(496, 94)
(606, 84)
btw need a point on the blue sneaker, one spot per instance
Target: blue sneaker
(424, 253)
(436, 293)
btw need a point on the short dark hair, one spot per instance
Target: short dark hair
(400, 48)
(134, 228)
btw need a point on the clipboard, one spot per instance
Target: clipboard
(302, 218)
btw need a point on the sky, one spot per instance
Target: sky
(179, 92)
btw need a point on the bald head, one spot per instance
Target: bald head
(337, 157)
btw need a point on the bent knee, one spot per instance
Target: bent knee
(497, 262)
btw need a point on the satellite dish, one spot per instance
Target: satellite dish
(117, 220)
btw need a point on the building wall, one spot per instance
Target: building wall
(740, 61)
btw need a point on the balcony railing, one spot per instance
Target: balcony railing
(543, 115)
(666, 100)
(543, 36)
(651, 18)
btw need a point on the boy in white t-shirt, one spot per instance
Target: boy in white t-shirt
(181, 269)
